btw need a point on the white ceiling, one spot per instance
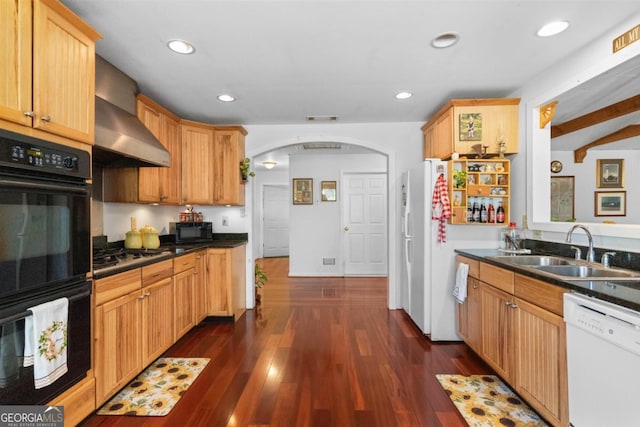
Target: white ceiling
(615, 85)
(285, 60)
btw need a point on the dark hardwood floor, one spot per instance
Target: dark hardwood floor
(315, 352)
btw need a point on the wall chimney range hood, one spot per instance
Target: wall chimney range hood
(121, 139)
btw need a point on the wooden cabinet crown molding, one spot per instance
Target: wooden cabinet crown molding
(72, 18)
(472, 102)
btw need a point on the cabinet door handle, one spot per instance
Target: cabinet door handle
(46, 118)
(514, 305)
(141, 297)
(507, 303)
(475, 286)
(29, 113)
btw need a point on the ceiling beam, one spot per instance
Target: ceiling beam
(612, 111)
(624, 133)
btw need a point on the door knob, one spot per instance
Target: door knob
(346, 228)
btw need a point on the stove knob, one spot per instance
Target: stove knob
(71, 162)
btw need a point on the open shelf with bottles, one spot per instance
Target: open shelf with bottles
(474, 183)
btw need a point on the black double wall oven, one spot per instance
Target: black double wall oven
(45, 254)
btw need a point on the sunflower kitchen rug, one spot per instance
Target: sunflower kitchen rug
(485, 401)
(156, 390)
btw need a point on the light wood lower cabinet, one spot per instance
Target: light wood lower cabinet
(468, 313)
(226, 281)
(183, 283)
(498, 348)
(117, 335)
(157, 320)
(541, 371)
(200, 287)
(79, 401)
(521, 335)
(131, 325)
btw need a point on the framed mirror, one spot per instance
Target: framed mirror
(617, 80)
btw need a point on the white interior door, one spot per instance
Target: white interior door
(365, 224)
(275, 205)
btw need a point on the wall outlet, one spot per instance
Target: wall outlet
(225, 221)
(536, 234)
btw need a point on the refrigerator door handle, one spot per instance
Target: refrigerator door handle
(408, 226)
(408, 252)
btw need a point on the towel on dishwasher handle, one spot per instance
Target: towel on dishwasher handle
(46, 341)
(460, 288)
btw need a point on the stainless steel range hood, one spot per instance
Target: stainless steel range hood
(121, 139)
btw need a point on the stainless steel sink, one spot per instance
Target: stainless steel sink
(532, 260)
(586, 271)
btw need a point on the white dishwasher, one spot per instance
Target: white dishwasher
(603, 360)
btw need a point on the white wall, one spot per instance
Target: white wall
(117, 218)
(316, 230)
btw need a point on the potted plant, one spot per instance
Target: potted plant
(244, 169)
(459, 178)
(260, 280)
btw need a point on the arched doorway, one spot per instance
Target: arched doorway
(261, 152)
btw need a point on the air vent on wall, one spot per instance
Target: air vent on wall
(322, 146)
(328, 261)
(322, 118)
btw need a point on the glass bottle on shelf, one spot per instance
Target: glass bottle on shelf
(476, 212)
(491, 213)
(483, 211)
(500, 213)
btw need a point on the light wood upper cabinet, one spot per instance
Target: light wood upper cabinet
(197, 158)
(49, 77)
(15, 44)
(228, 188)
(162, 184)
(150, 184)
(444, 133)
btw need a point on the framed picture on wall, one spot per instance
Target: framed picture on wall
(302, 191)
(470, 127)
(562, 198)
(609, 173)
(328, 191)
(610, 203)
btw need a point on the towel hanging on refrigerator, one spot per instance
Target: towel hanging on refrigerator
(440, 207)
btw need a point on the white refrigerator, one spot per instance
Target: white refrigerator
(428, 273)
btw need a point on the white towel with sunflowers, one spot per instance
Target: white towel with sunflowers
(46, 341)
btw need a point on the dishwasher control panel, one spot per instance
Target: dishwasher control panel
(617, 325)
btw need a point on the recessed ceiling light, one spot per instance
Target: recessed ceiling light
(225, 97)
(181, 46)
(445, 40)
(552, 28)
(404, 95)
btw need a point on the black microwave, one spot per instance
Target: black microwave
(191, 232)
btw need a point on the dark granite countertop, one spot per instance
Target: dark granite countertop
(169, 250)
(622, 292)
